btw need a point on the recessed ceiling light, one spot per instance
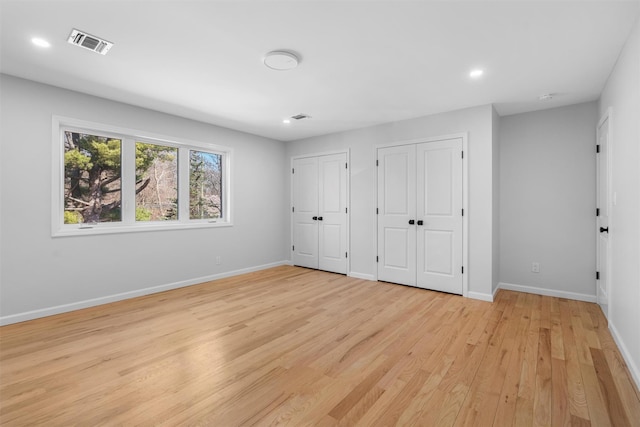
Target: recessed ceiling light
(474, 74)
(40, 42)
(286, 121)
(281, 60)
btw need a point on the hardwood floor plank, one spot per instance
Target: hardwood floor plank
(609, 390)
(293, 346)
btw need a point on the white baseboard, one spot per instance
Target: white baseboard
(547, 292)
(480, 296)
(633, 368)
(49, 311)
(363, 276)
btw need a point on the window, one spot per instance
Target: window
(92, 178)
(113, 180)
(156, 182)
(205, 185)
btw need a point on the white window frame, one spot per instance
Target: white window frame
(128, 139)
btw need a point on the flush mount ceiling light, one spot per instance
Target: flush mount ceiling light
(281, 60)
(40, 42)
(477, 73)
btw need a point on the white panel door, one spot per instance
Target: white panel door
(603, 202)
(439, 215)
(305, 209)
(320, 212)
(396, 211)
(332, 213)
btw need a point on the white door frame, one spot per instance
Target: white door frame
(609, 205)
(348, 185)
(465, 199)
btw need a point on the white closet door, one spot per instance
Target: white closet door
(396, 208)
(332, 215)
(305, 204)
(439, 215)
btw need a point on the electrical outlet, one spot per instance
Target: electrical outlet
(535, 267)
(218, 260)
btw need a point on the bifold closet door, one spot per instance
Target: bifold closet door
(320, 212)
(420, 215)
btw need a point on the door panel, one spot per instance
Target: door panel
(439, 193)
(438, 181)
(397, 206)
(332, 210)
(395, 249)
(438, 252)
(305, 203)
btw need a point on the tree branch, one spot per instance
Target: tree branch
(146, 182)
(79, 201)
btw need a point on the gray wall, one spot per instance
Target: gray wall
(622, 95)
(362, 144)
(39, 272)
(547, 193)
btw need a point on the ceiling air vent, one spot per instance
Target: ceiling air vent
(87, 41)
(301, 116)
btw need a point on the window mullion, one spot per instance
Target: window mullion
(128, 172)
(183, 185)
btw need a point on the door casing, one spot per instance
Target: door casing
(604, 204)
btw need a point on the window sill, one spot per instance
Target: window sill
(89, 230)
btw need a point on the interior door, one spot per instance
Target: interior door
(439, 215)
(396, 214)
(603, 205)
(305, 205)
(332, 213)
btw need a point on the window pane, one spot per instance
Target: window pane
(205, 185)
(156, 182)
(92, 184)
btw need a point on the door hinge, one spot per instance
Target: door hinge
(462, 269)
(597, 275)
(462, 154)
(462, 212)
(346, 210)
(293, 170)
(377, 164)
(376, 211)
(597, 211)
(346, 166)
(293, 248)
(376, 258)
(293, 209)
(345, 255)
(598, 148)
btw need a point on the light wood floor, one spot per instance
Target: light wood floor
(291, 346)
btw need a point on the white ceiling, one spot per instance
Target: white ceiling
(362, 62)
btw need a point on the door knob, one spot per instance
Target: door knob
(315, 218)
(420, 222)
(319, 218)
(604, 230)
(411, 221)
